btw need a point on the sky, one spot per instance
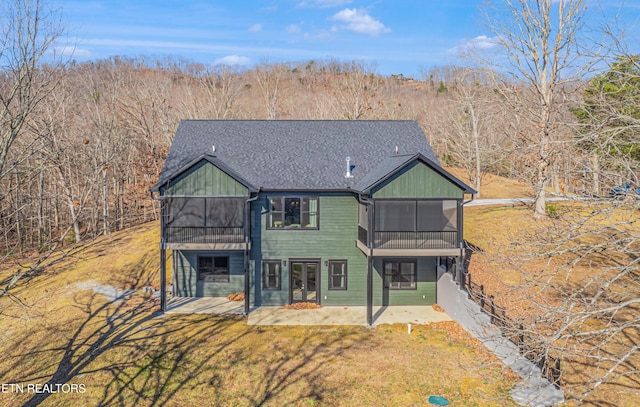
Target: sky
(405, 37)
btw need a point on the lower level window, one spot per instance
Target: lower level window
(213, 269)
(271, 274)
(400, 274)
(337, 274)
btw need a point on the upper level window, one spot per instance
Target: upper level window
(407, 215)
(292, 212)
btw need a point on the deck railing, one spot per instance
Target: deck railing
(416, 240)
(363, 235)
(177, 234)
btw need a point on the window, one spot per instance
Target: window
(205, 212)
(400, 274)
(271, 274)
(416, 215)
(293, 212)
(395, 216)
(337, 274)
(213, 269)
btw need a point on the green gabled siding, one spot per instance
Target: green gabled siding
(426, 285)
(186, 277)
(417, 180)
(335, 239)
(205, 179)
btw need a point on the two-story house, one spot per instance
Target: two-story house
(333, 212)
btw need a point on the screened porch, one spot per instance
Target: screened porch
(411, 224)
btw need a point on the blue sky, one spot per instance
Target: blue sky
(396, 36)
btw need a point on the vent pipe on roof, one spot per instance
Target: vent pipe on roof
(213, 149)
(348, 174)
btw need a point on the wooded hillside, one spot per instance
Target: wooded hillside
(90, 151)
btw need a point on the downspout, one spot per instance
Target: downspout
(163, 261)
(247, 241)
(163, 250)
(370, 223)
(460, 266)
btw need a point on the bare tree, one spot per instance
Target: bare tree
(466, 117)
(29, 31)
(357, 87)
(540, 41)
(268, 77)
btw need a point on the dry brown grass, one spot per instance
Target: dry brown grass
(127, 355)
(520, 258)
(495, 186)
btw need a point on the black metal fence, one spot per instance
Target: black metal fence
(204, 234)
(514, 331)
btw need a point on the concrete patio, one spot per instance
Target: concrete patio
(345, 316)
(204, 305)
(338, 315)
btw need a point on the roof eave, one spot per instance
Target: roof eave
(213, 160)
(431, 164)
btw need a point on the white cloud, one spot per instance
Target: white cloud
(294, 28)
(359, 21)
(324, 3)
(232, 60)
(255, 28)
(479, 43)
(72, 52)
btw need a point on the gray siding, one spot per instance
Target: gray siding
(335, 239)
(186, 278)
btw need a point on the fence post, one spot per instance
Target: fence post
(521, 339)
(468, 287)
(482, 296)
(493, 309)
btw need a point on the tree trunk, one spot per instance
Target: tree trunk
(542, 175)
(476, 148)
(72, 209)
(595, 161)
(105, 203)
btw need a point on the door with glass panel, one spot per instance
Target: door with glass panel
(304, 275)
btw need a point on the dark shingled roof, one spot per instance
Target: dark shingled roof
(298, 154)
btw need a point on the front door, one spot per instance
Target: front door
(303, 281)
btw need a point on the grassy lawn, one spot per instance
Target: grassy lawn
(56, 330)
